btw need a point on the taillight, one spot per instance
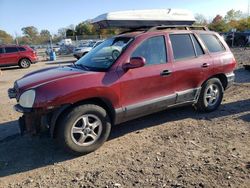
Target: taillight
(234, 63)
(34, 52)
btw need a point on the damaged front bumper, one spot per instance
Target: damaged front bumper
(33, 121)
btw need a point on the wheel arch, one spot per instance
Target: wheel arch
(222, 77)
(24, 57)
(21, 58)
(102, 102)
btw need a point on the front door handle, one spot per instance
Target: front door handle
(166, 73)
(205, 65)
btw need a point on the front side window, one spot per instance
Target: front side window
(182, 46)
(1, 51)
(104, 55)
(11, 49)
(153, 50)
(212, 43)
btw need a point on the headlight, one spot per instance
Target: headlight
(27, 99)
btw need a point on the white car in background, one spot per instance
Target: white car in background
(84, 49)
(108, 53)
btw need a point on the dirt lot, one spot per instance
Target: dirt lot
(173, 148)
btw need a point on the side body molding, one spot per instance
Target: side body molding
(144, 108)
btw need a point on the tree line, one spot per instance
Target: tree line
(232, 20)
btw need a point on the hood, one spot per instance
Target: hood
(44, 76)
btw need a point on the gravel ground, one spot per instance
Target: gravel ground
(173, 148)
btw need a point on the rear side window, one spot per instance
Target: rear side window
(153, 50)
(21, 49)
(198, 48)
(212, 42)
(11, 49)
(182, 46)
(1, 51)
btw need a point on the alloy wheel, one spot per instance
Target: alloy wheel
(86, 130)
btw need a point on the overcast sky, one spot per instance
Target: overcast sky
(55, 14)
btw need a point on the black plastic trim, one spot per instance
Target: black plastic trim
(230, 79)
(144, 108)
(21, 109)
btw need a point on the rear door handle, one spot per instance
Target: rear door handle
(165, 72)
(205, 65)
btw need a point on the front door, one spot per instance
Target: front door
(10, 57)
(150, 88)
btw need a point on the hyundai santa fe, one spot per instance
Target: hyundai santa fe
(128, 76)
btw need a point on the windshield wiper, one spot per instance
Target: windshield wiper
(83, 66)
(73, 62)
(78, 66)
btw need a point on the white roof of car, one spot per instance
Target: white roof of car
(140, 17)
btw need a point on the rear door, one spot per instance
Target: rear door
(11, 56)
(218, 52)
(150, 88)
(191, 65)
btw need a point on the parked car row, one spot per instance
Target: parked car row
(77, 50)
(237, 39)
(22, 56)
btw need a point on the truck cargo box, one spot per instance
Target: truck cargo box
(144, 18)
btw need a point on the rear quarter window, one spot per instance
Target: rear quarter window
(22, 49)
(212, 43)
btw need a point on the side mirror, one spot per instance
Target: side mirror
(135, 62)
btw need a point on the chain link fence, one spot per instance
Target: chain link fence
(64, 46)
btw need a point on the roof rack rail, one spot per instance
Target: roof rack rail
(134, 30)
(164, 27)
(185, 27)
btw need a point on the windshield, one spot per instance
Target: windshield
(104, 55)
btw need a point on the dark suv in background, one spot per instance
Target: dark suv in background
(17, 55)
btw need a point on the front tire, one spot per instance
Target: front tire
(84, 129)
(24, 63)
(211, 96)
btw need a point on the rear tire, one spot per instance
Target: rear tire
(211, 96)
(83, 129)
(24, 63)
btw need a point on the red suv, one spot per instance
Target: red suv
(125, 77)
(17, 55)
